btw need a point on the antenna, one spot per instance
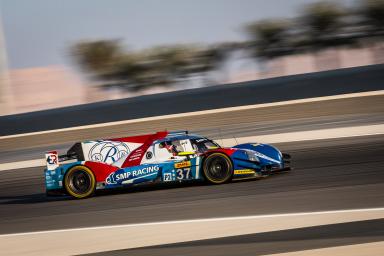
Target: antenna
(221, 137)
(237, 143)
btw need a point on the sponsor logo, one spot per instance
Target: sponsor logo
(52, 159)
(118, 177)
(167, 177)
(108, 151)
(183, 164)
(243, 172)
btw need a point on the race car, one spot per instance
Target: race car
(156, 158)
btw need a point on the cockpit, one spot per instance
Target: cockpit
(193, 144)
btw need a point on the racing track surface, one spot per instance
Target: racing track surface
(329, 175)
(240, 129)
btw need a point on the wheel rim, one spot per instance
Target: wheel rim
(80, 182)
(218, 168)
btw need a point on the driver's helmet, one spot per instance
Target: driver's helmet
(174, 147)
(171, 149)
(171, 146)
(177, 146)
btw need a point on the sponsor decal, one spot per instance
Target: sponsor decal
(52, 159)
(244, 172)
(108, 151)
(136, 155)
(167, 177)
(132, 174)
(183, 164)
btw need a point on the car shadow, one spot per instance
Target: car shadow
(31, 199)
(150, 187)
(43, 198)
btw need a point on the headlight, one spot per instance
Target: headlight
(252, 156)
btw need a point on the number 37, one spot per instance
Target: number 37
(183, 174)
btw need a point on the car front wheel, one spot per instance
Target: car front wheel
(217, 168)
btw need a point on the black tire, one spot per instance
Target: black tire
(80, 182)
(217, 168)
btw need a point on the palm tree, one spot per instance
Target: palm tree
(372, 12)
(322, 23)
(110, 66)
(98, 57)
(268, 38)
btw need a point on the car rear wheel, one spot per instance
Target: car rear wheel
(80, 182)
(217, 168)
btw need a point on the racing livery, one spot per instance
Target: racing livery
(156, 158)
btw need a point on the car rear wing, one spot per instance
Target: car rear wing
(53, 160)
(68, 156)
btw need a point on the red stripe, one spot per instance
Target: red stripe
(137, 155)
(100, 170)
(135, 139)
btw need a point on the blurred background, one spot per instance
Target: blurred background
(63, 53)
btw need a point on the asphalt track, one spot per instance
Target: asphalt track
(229, 131)
(329, 175)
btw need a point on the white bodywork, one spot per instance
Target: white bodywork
(107, 151)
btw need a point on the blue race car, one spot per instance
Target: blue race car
(156, 158)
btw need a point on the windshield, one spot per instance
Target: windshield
(203, 144)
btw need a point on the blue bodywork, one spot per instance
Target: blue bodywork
(162, 172)
(270, 158)
(54, 178)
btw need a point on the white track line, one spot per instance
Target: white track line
(249, 217)
(115, 237)
(333, 133)
(23, 164)
(365, 249)
(204, 112)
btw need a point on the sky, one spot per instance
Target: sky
(40, 32)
